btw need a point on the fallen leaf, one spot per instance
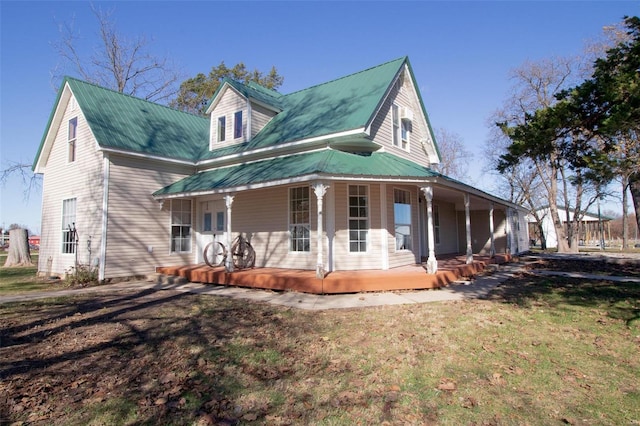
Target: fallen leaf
(447, 385)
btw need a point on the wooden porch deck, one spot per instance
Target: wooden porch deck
(413, 277)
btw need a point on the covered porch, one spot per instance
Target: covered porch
(410, 277)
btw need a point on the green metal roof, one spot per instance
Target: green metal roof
(327, 162)
(123, 122)
(127, 123)
(340, 105)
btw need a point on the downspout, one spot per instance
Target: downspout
(105, 216)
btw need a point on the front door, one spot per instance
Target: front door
(211, 225)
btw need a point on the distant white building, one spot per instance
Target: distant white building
(589, 234)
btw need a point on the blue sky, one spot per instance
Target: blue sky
(461, 54)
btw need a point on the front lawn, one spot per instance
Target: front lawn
(537, 351)
(23, 279)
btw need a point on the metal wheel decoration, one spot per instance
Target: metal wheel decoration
(215, 254)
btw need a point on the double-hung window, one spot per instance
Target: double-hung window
(222, 126)
(402, 217)
(71, 140)
(404, 133)
(180, 226)
(69, 226)
(395, 118)
(299, 226)
(237, 125)
(401, 128)
(358, 218)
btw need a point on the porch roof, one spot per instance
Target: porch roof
(324, 163)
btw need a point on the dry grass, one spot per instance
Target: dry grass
(539, 351)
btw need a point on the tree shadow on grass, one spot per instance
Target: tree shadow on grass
(618, 299)
(153, 356)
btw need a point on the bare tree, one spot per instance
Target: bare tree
(122, 64)
(29, 180)
(535, 85)
(453, 155)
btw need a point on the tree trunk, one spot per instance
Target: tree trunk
(19, 254)
(561, 235)
(625, 214)
(634, 187)
(543, 238)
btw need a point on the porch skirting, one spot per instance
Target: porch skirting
(412, 277)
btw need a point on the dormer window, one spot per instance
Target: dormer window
(222, 125)
(237, 125)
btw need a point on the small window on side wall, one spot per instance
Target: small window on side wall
(72, 136)
(237, 125)
(222, 126)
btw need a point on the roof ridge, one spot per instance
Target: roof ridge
(262, 89)
(67, 78)
(404, 58)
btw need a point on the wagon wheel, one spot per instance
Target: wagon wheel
(242, 254)
(214, 254)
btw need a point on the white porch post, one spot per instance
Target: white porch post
(507, 228)
(228, 199)
(492, 250)
(320, 189)
(467, 221)
(432, 263)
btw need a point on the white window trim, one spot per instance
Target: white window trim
(73, 141)
(218, 127)
(368, 239)
(75, 215)
(191, 226)
(411, 227)
(235, 124)
(395, 134)
(290, 239)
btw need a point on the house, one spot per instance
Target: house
(592, 228)
(333, 177)
(34, 241)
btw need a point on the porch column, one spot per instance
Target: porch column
(467, 221)
(228, 199)
(432, 263)
(492, 250)
(320, 189)
(507, 228)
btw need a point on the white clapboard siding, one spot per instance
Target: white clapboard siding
(382, 126)
(260, 116)
(80, 179)
(139, 226)
(229, 104)
(262, 216)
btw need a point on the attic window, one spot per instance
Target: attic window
(222, 124)
(237, 125)
(73, 129)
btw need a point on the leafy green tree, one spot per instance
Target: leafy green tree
(587, 126)
(607, 106)
(195, 92)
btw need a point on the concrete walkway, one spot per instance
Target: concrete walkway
(479, 287)
(458, 290)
